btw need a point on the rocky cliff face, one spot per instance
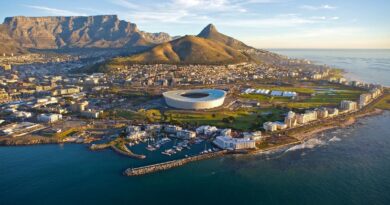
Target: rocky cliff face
(210, 32)
(105, 31)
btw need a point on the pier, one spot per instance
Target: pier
(170, 164)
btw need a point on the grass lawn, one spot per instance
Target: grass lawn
(328, 98)
(384, 103)
(265, 98)
(129, 115)
(239, 120)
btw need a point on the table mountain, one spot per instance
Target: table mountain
(104, 31)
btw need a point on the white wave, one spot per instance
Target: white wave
(309, 144)
(334, 139)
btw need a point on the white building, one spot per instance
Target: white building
(226, 142)
(270, 126)
(225, 132)
(155, 127)
(206, 130)
(136, 135)
(289, 94)
(256, 136)
(322, 113)
(22, 114)
(280, 125)
(290, 120)
(364, 99)
(333, 112)
(186, 134)
(348, 105)
(276, 93)
(308, 116)
(172, 129)
(49, 118)
(132, 128)
(91, 114)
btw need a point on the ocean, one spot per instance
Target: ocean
(342, 166)
(366, 65)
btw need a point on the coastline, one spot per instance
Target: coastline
(346, 123)
(303, 136)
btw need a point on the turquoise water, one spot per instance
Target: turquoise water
(346, 166)
(371, 66)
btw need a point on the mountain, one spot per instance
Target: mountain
(189, 49)
(7, 44)
(259, 55)
(209, 47)
(210, 32)
(104, 31)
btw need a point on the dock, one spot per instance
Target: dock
(170, 164)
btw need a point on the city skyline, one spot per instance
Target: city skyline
(259, 23)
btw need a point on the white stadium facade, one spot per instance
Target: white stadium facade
(196, 99)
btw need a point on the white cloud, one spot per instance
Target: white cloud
(126, 4)
(56, 12)
(280, 21)
(321, 7)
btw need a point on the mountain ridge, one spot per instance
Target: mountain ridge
(208, 47)
(58, 32)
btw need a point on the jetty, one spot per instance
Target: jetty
(170, 164)
(127, 152)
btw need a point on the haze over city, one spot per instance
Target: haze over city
(260, 23)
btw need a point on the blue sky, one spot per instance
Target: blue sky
(260, 23)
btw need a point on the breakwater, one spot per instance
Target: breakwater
(170, 164)
(127, 152)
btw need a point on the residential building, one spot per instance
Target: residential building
(290, 120)
(172, 129)
(270, 126)
(226, 142)
(364, 99)
(186, 134)
(49, 118)
(322, 113)
(308, 116)
(348, 105)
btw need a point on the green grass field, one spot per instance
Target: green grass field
(239, 120)
(264, 98)
(128, 115)
(384, 103)
(320, 95)
(328, 98)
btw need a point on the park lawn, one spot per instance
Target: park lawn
(153, 115)
(332, 98)
(129, 115)
(243, 119)
(384, 103)
(265, 98)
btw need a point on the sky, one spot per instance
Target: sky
(259, 23)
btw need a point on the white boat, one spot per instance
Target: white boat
(166, 153)
(179, 148)
(150, 148)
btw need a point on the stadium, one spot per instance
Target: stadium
(197, 99)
